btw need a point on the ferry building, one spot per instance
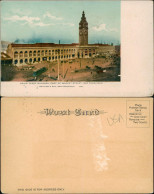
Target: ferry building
(29, 53)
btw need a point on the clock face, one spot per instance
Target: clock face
(85, 31)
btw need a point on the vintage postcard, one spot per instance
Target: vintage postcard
(62, 48)
(77, 145)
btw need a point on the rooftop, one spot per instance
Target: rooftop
(42, 45)
(53, 45)
(4, 56)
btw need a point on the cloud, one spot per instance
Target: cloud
(49, 15)
(67, 24)
(102, 27)
(42, 24)
(36, 21)
(30, 20)
(19, 11)
(113, 30)
(52, 16)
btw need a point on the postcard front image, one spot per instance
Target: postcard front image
(61, 41)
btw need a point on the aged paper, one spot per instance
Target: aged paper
(74, 145)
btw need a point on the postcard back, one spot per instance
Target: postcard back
(76, 145)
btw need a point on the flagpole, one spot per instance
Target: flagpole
(58, 69)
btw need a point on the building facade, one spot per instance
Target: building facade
(38, 52)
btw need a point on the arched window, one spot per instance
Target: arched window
(34, 53)
(30, 53)
(30, 60)
(39, 59)
(25, 54)
(42, 52)
(15, 54)
(21, 54)
(26, 60)
(15, 62)
(46, 52)
(21, 60)
(38, 53)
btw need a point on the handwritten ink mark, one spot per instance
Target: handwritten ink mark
(114, 119)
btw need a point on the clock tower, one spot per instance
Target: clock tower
(83, 30)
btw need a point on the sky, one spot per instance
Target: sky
(51, 21)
